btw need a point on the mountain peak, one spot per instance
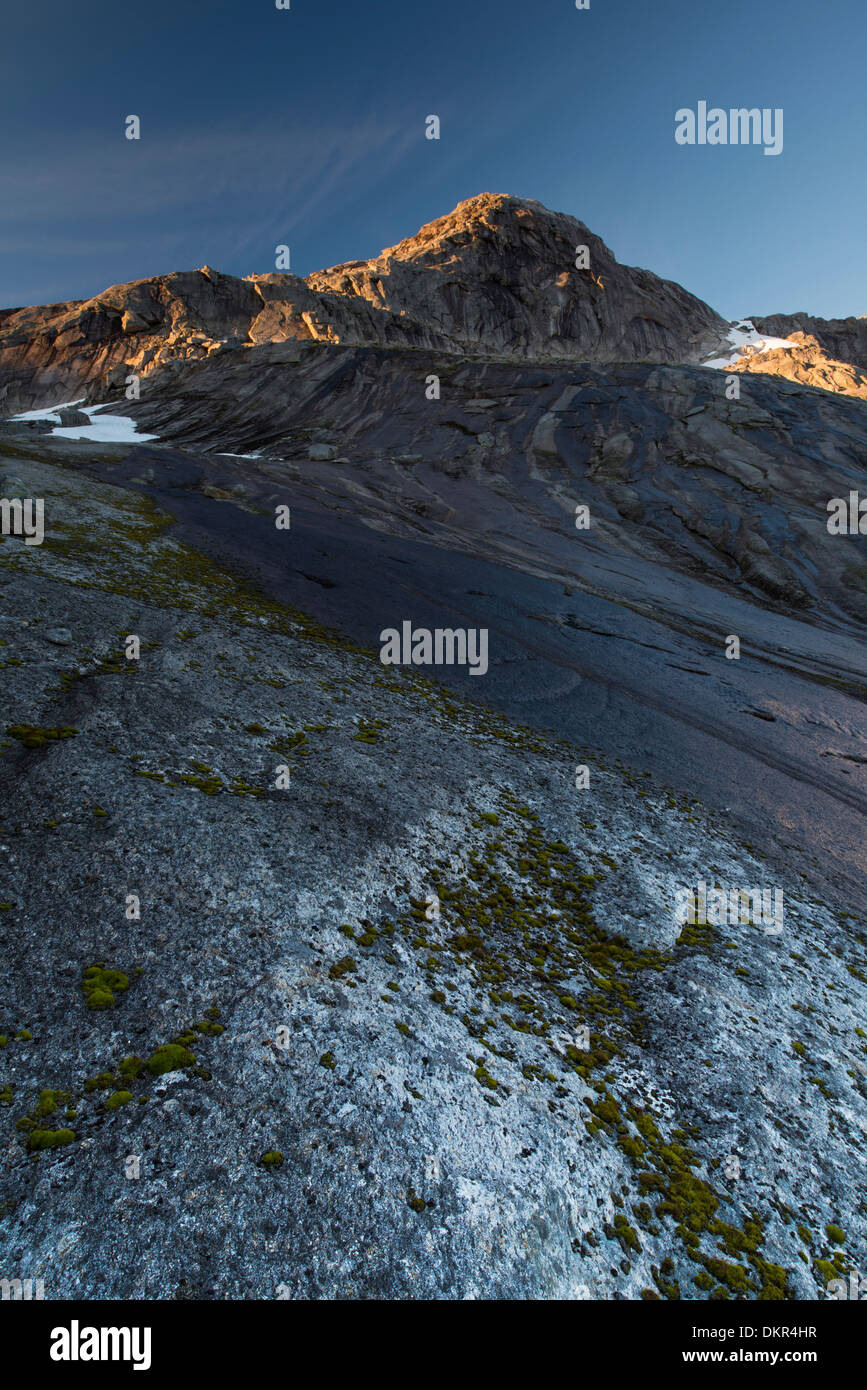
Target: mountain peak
(497, 277)
(480, 217)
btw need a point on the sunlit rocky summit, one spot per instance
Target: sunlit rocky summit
(497, 276)
(330, 978)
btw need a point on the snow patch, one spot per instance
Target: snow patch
(108, 429)
(744, 339)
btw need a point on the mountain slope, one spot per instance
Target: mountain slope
(407, 1009)
(367, 1097)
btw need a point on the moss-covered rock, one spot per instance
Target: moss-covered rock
(170, 1057)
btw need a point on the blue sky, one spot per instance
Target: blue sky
(306, 127)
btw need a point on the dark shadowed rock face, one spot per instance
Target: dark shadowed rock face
(678, 474)
(496, 277)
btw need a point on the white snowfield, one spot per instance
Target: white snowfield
(744, 339)
(108, 429)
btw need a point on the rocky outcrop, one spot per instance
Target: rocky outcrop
(844, 340)
(495, 278)
(707, 478)
(62, 351)
(807, 362)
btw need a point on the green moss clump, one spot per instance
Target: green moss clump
(131, 1067)
(24, 1035)
(119, 1098)
(33, 737)
(103, 1082)
(633, 1148)
(773, 1278)
(369, 730)
(6, 1095)
(48, 1102)
(735, 1241)
(100, 985)
(100, 999)
(327, 1061)
(211, 786)
(49, 1138)
(272, 1158)
(342, 967)
(835, 1234)
(606, 1110)
(626, 1234)
(170, 1057)
(414, 1202)
(692, 1202)
(731, 1276)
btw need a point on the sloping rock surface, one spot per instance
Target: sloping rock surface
(339, 1050)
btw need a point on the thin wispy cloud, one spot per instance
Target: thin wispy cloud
(172, 173)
